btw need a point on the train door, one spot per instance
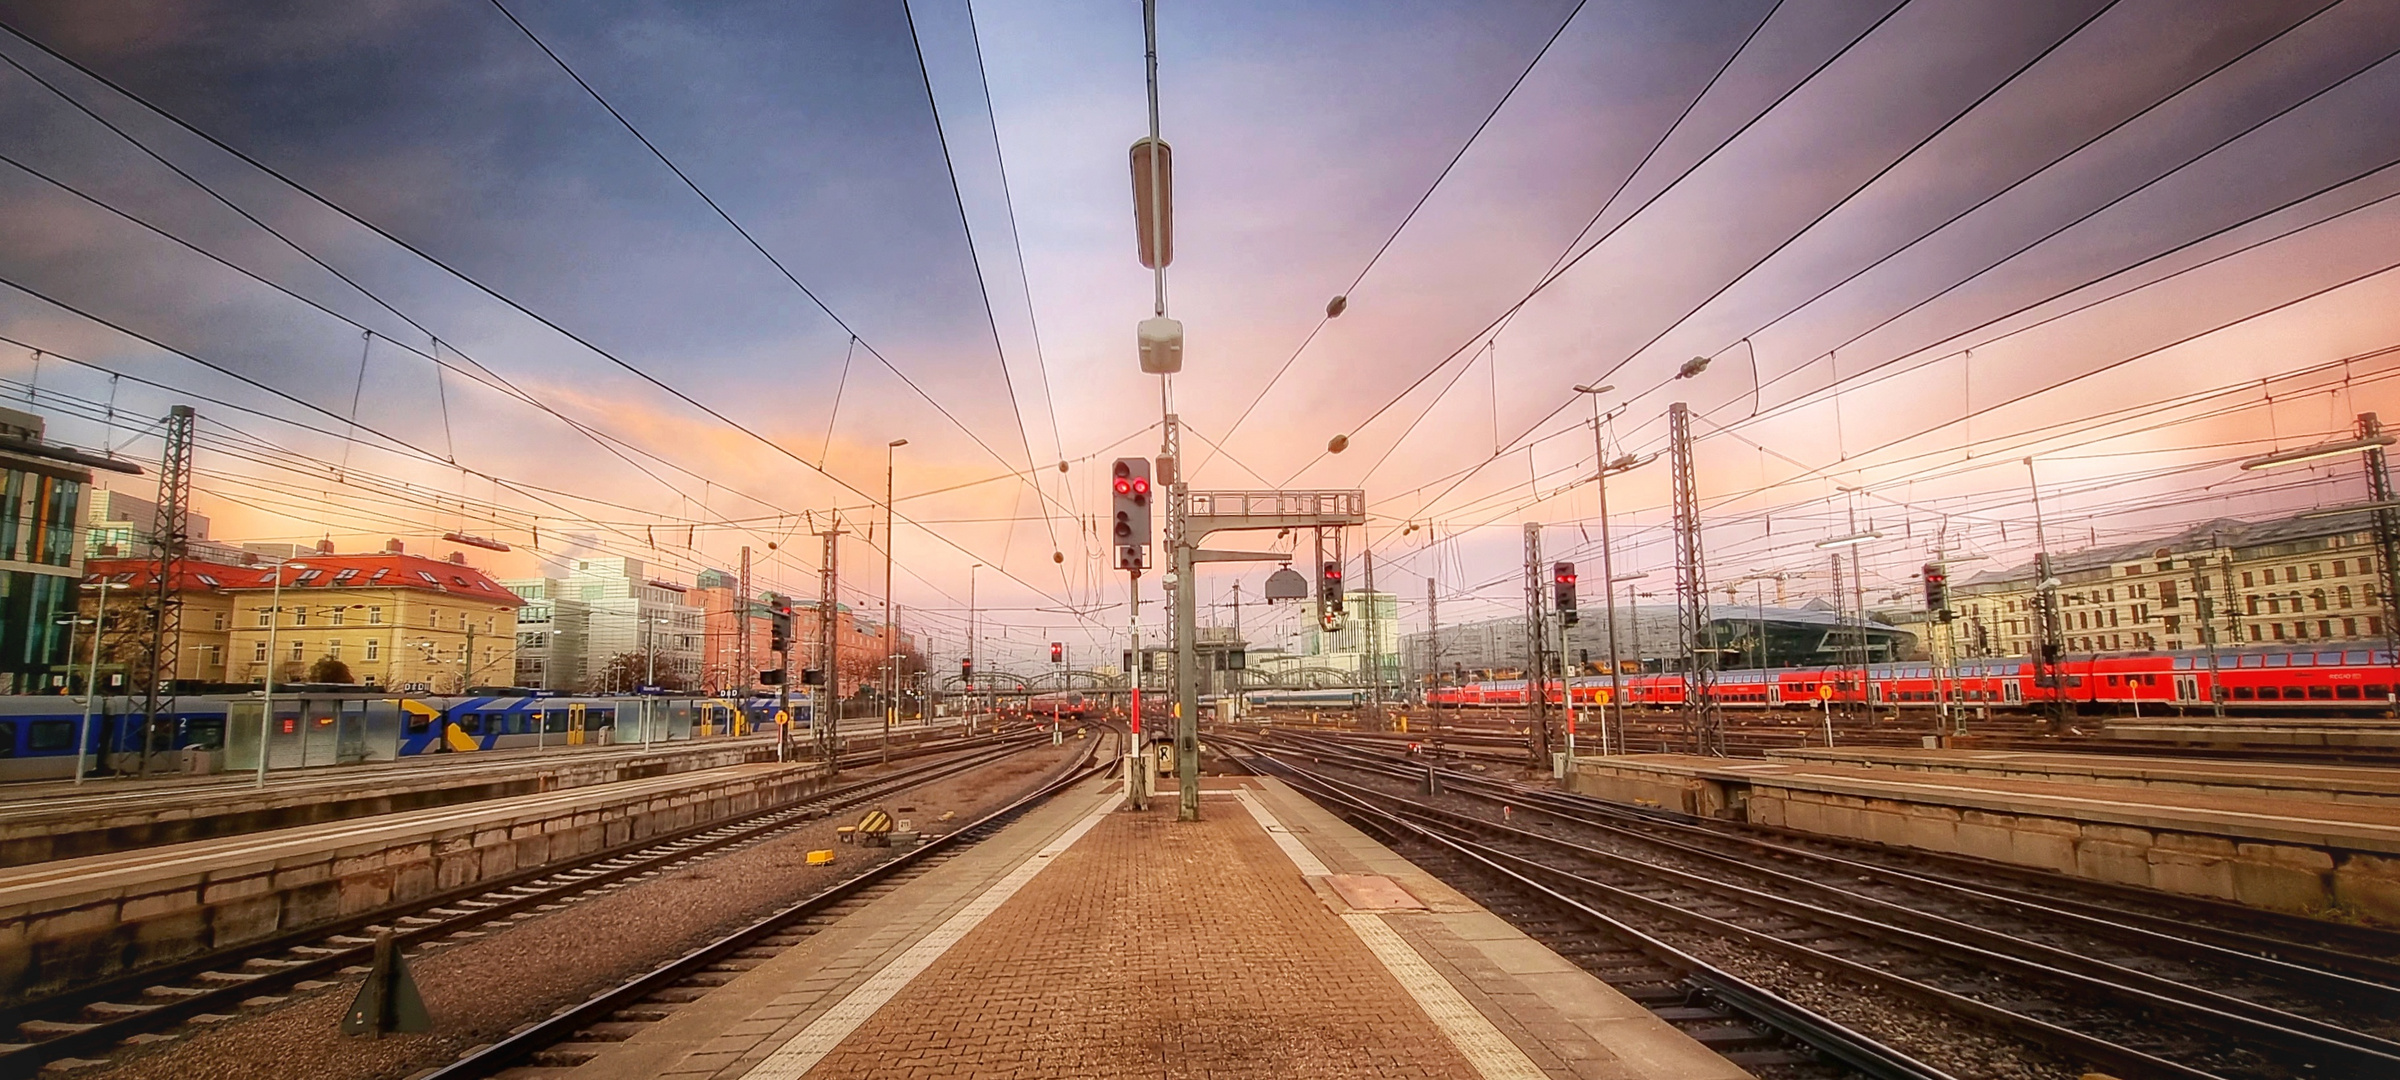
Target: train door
(575, 724)
(2187, 689)
(2012, 691)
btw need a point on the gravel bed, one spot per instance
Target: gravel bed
(480, 988)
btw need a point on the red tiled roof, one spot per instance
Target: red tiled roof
(382, 571)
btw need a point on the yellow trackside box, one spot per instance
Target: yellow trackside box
(820, 857)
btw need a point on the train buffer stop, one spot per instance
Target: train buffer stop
(1269, 939)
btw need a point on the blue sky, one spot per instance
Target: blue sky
(1303, 134)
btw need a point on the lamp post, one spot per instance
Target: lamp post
(1608, 591)
(91, 678)
(970, 687)
(891, 683)
(266, 711)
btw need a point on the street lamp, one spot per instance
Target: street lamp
(890, 516)
(266, 712)
(91, 678)
(1608, 591)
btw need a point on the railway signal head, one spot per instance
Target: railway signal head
(1937, 590)
(966, 668)
(1129, 491)
(1329, 587)
(1562, 588)
(1058, 652)
(779, 633)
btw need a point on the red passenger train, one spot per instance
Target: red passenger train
(2329, 680)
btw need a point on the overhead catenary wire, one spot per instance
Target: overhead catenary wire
(476, 283)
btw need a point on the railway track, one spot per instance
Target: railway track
(1752, 1026)
(94, 1020)
(581, 1031)
(2151, 994)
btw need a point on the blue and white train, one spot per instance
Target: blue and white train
(38, 733)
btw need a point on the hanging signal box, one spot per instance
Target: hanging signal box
(1161, 343)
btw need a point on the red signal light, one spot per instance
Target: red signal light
(1124, 486)
(1141, 486)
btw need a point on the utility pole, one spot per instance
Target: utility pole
(1537, 662)
(1841, 620)
(169, 543)
(829, 696)
(1433, 662)
(746, 676)
(2046, 646)
(1374, 644)
(890, 516)
(2203, 606)
(2387, 544)
(1703, 718)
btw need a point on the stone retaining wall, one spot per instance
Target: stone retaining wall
(136, 921)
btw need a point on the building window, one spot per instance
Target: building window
(333, 649)
(2319, 597)
(374, 616)
(2246, 582)
(2324, 628)
(340, 616)
(212, 655)
(374, 649)
(2342, 595)
(2316, 571)
(2349, 627)
(300, 616)
(2374, 624)
(2254, 631)
(298, 651)
(2291, 574)
(266, 616)
(491, 624)
(258, 654)
(2276, 627)
(2337, 566)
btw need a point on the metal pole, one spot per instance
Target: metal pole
(1158, 231)
(890, 682)
(2046, 637)
(971, 664)
(1702, 713)
(1537, 667)
(266, 713)
(91, 684)
(1608, 594)
(2387, 546)
(1137, 787)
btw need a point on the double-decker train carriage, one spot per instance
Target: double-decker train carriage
(2250, 680)
(316, 727)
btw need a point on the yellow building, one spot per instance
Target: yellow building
(391, 620)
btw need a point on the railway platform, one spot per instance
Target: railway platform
(1086, 940)
(57, 819)
(2318, 733)
(69, 922)
(2279, 850)
(2266, 779)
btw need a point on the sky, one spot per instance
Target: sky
(1920, 242)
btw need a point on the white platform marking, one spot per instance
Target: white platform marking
(1490, 1052)
(796, 1057)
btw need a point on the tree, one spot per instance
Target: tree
(629, 670)
(329, 670)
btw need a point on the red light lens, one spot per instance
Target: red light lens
(1124, 486)
(1141, 486)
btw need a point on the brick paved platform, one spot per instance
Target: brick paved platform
(1088, 941)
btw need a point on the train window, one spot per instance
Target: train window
(555, 720)
(207, 732)
(2378, 690)
(2244, 693)
(44, 735)
(2252, 660)
(8, 738)
(2074, 680)
(2320, 692)
(2112, 680)
(418, 722)
(2278, 660)
(471, 723)
(599, 718)
(2346, 690)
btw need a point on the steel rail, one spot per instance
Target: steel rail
(1829, 1037)
(77, 1038)
(522, 1045)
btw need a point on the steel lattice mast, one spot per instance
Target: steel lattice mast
(167, 544)
(1537, 663)
(1703, 720)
